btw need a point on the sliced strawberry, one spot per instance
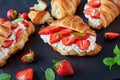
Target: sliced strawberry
(12, 13)
(65, 32)
(7, 43)
(9, 35)
(83, 44)
(28, 57)
(68, 40)
(26, 74)
(54, 37)
(92, 12)
(94, 3)
(49, 29)
(14, 26)
(19, 34)
(24, 15)
(2, 20)
(111, 35)
(25, 23)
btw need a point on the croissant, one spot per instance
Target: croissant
(71, 36)
(101, 13)
(63, 8)
(13, 39)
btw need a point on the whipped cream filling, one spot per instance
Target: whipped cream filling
(92, 39)
(4, 51)
(95, 22)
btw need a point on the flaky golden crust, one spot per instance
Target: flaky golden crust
(96, 50)
(5, 30)
(74, 22)
(20, 44)
(63, 8)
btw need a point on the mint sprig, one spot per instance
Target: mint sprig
(49, 74)
(5, 76)
(110, 61)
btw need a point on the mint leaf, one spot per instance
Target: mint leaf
(5, 76)
(49, 74)
(17, 20)
(117, 60)
(109, 61)
(116, 50)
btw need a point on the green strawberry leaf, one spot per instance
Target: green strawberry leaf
(49, 74)
(109, 61)
(116, 50)
(5, 76)
(17, 20)
(57, 35)
(117, 60)
(78, 34)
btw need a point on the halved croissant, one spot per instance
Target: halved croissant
(63, 8)
(77, 24)
(108, 10)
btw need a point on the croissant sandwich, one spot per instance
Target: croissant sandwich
(38, 14)
(101, 13)
(71, 36)
(63, 8)
(13, 37)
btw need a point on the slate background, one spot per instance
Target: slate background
(86, 68)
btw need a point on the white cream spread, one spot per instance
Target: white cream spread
(92, 39)
(95, 22)
(4, 51)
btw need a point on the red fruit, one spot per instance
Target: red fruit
(14, 26)
(7, 43)
(83, 44)
(65, 32)
(94, 3)
(28, 57)
(54, 37)
(63, 68)
(92, 12)
(2, 20)
(49, 29)
(26, 74)
(19, 34)
(12, 14)
(25, 23)
(111, 35)
(24, 15)
(68, 40)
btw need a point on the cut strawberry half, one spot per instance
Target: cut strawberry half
(68, 40)
(14, 26)
(94, 3)
(49, 29)
(7, 43)
(19, 34)
(25, 23)
(26, 74)
(92, 12)
(65, 32)
(2, 20)
(83, 44)
(111, 35)
(54, 37)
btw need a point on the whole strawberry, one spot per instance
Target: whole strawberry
(111, 35)
(28, 57)
(26, 74)
(63, 68)
(12, 14)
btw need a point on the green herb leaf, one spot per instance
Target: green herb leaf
(116, 50)
(109, 61)
(78, 34)
(17, 20)
(5, 76)
(117, 60)
(49, 74)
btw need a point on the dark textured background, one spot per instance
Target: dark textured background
(86, 68)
